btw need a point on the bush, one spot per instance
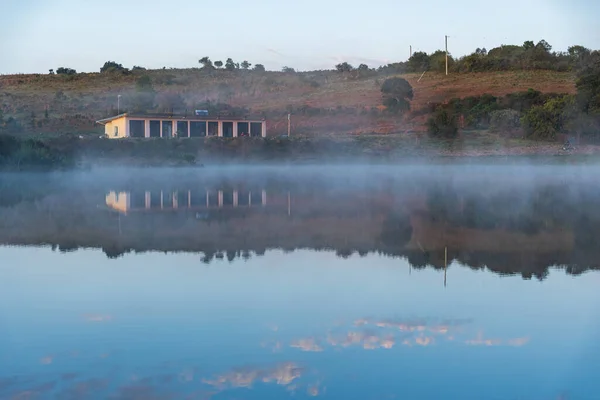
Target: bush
(65, 71)
(443, 124)
(397, 94)
(111, 67)
(546, 121)
(505, 120)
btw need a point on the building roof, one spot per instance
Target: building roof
(190, 117)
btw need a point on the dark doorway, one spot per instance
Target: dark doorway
(154, 128)
(213, 128)
(197, 128)
(136, 129)
(227, 129)
(256, 129)
(227, 197)
(243, 129)
(182, 129)
(167, 129)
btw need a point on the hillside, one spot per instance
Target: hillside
(322, 102)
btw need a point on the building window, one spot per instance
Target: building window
(116, 131)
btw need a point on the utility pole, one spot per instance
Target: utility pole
(118, 104)
(289, 124)
(446, 54)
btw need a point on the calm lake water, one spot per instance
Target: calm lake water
(271, 283)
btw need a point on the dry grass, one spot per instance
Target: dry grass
(93, 95)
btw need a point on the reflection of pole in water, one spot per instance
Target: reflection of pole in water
(289, 205)
(119, 218)
(445, 263)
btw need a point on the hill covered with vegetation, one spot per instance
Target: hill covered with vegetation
(526, 90)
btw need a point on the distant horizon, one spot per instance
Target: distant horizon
(312, 35)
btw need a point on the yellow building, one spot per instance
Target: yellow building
(128, 125)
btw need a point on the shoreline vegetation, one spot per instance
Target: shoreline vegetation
(513, 100)
(26, 154)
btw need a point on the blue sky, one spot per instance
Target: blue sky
(37, 35)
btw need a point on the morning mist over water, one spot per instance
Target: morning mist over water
(276, 282)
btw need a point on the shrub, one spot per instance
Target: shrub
(505, 120)
(443, 123)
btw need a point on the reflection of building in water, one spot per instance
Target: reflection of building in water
(150, 200)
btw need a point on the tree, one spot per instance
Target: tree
(418, 62)
(206, 63)
(259, 68)
(112, 66)
(528, 45)
(138, 68)
(65, 71)
(287, 69)
(443, 124)
(344, 67)
(588, 86)
(230, 65)
(543, 45)
(218, 64)
(437, 61)
(246, 64)
(546, 121)
(397, 94)
(51, 71)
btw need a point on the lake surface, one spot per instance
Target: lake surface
(270, 283)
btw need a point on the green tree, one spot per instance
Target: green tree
(246, 64)
(397, 93)
(206, 63)
(443, 123)
(230, 65)
(344, 67)
(418, 62)
(287, 69)
(437, 61)
(112, 66)
(65, 71)
(546, 121)
(588, 86)
(218, 64)
(259, 68)
(528, 45)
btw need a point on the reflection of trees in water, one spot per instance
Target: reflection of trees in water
(528, 210)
